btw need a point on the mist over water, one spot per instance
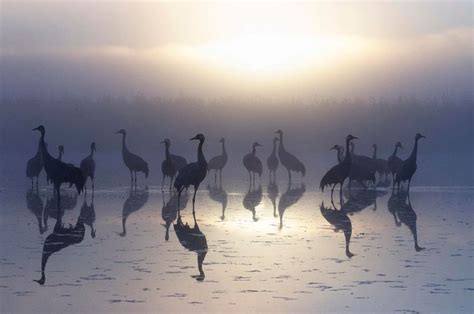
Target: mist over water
(311, 128)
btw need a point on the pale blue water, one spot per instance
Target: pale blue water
(249, 262)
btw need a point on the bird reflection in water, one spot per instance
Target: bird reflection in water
(252, 199)
(400, 206)
(272, 191)
(35, 204)
(88, 214)
(62, 237)
(68, 202)
(135, 201)
(218, 194)
(194, 240)
(169, 212)
(360, 199)
(340, 221)
(289, 198)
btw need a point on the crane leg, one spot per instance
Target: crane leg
(289, 176)
(332, 191)
(194, 196)
(340, 194)
(215, 177)
(179, 199)
(250, 178)
(220, 176)
(408, 188)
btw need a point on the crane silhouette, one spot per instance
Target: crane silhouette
(252, 199)
(135, 201)
(61, 238)
(58, 171)
(289, 198)
(171, 165)
(338, 174)
(192, 239)
(34, 166)
(218, 194)
(340, 221)
(218, 162)
(252, 163)
(169, 211)
(133, 162)
(408, 168)
(289, 161)
(358, 173)
(88, 214)
(88, 166)
(394, 162)
(272, 191)
(401, 205)
(193, 173)
(272, 160)
(35, 204)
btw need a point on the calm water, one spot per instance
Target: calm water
(265, 249)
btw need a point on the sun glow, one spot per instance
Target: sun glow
(269, 54)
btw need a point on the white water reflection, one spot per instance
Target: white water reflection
(375, 251)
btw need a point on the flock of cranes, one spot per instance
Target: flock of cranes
(359, 168)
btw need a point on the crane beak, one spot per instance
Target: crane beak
(35, 129)
(423, 136)
(117, 132)
(355, 138)
(162, 142)
(193, 138)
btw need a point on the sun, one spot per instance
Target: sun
(269, 54)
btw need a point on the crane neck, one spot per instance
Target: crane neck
(347, 158)
(254, 150)
(414, 152)
(339, 154)
(124, 145)
(60, 156)
(274, 147)
(92, 153)
(200, 155)
(167, 152)
(352, 148)
(374, 156)
(224, 152)
(281, 147)
(395, 151)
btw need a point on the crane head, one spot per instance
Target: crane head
(166, 141)
(280, 132)
(351, 137)
(374, 145)
(121, 131)
(198, 137)
(399, 144)
(335, 147)
(222, 140)
(418, 136)
(39, 128)
(256, 144)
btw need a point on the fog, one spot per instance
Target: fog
(381, 71)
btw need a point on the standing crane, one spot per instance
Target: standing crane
(408, 167)
(193, 173)
(338, 174)
(57, 171)
(218, 162)
(133, 162)
(394, 162)
(252, 163)
(289, 161)
(34, 166)
(88, 166)
(171, 165)
(340, 221)
(358, 173)
(272, 160)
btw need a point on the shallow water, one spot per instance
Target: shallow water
(111, 253)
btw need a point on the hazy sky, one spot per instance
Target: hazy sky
(337, 49)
